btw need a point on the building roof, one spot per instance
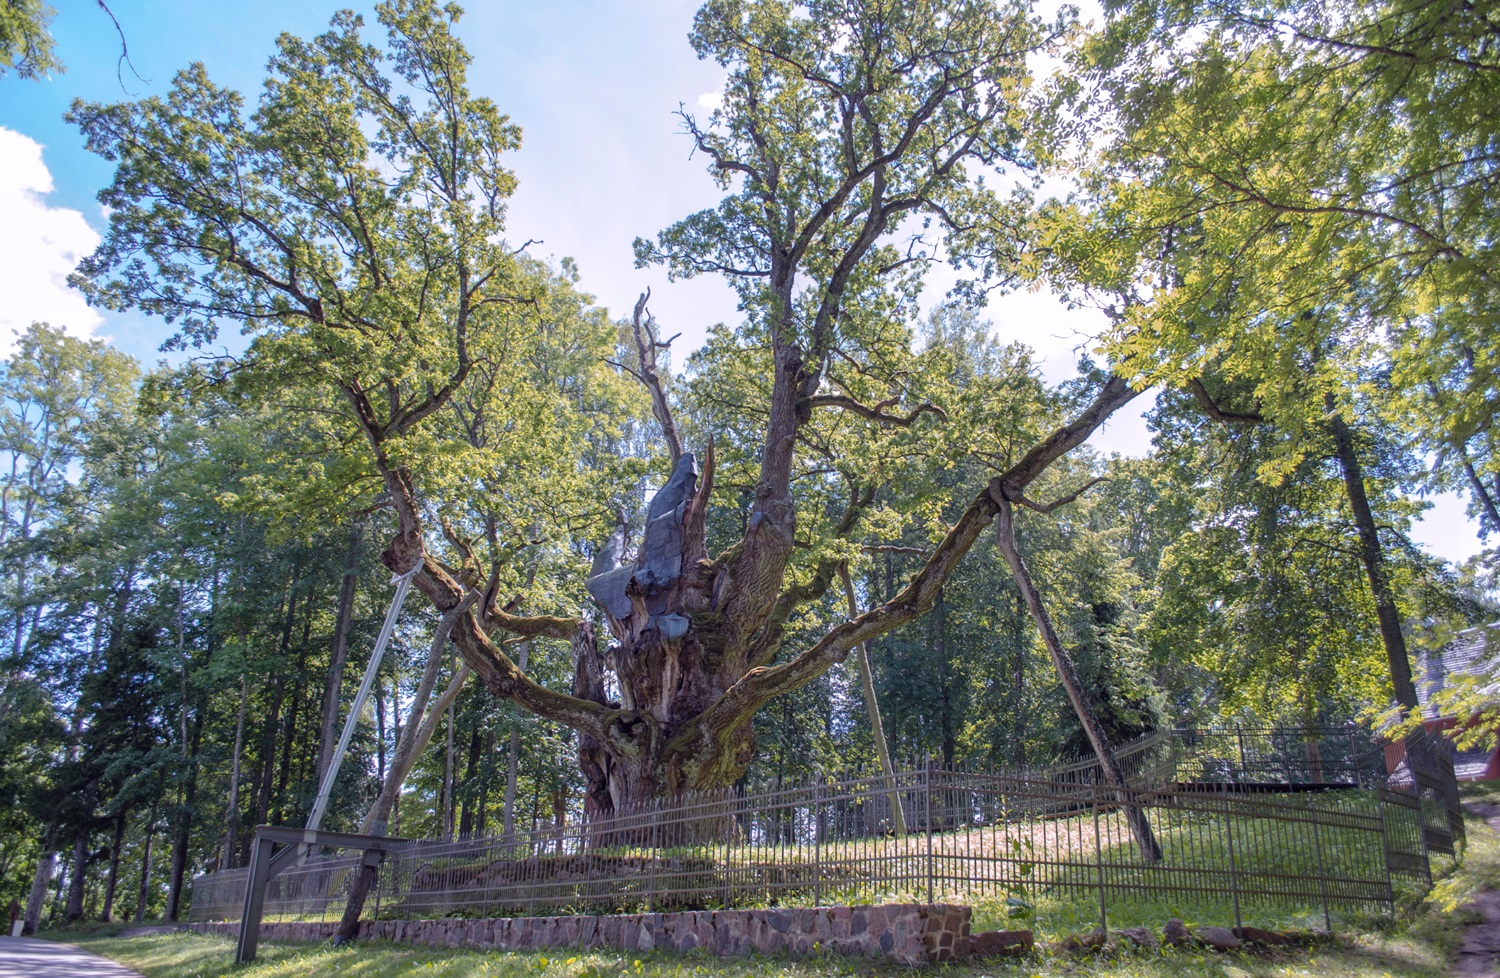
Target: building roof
(1473, 652)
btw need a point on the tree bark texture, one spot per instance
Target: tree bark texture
(696, 638)
(143, 899)
(1372, 555)
(36, 899)
(77, 873)
(232, 809)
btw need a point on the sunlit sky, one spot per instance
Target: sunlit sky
(593, 84)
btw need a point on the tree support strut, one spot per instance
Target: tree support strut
(265, 865)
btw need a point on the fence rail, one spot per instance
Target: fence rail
(1234, 812)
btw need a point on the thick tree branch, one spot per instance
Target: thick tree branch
(705, 734)
(499, 674)
(646, 345)
(1212, 409)
(1063, 501)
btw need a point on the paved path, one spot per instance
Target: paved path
(25, 957)
(1479, 953)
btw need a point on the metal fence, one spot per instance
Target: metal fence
(1243, 818)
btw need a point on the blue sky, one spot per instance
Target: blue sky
(593, 83)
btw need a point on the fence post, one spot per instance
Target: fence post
(1099, 862)
(1359, 781)
(1385, 847)
(1239, 736)
(927, 786)
(654, 855)
(817, 827)
(1281, 748)
(730, 831)
(1322, 870)
(1234, 876)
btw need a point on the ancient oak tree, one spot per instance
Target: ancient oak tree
(354, 223)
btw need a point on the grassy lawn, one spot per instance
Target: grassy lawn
(1416, 946)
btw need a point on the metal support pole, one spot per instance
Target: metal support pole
(1234, 876)
(1239, 736)
(264, 866)
(320, 804)
(1099, 865)
(255, 900)
(1322, 871)
(818, 844)
(927, 785)
(1359, 781)
(655, 856)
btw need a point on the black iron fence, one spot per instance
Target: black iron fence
(1305, 821)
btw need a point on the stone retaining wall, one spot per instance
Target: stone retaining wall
(909, 933)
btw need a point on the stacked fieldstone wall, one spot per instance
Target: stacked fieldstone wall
(908, 933)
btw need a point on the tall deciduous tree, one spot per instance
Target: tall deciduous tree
(1327, 203)
(354, 221)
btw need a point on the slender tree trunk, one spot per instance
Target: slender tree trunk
(513, 760)
(375, 822)
(940, 652)
(1373, 556)
(273, 720)
(267, 760)
(379, 729)
(1418, 745)
(143, 901)
(1314, 755)
(107, 914)
(1018, 686)
(487, 752)
(396, 728)
(471, 771)
(232, 815)
(77, 876)
(340, 657)
(1485, 498)
(293, 714)
(1140, 827)
(184, 824)
(448, 769)
(36, 899)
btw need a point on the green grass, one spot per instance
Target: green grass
(1416, 945)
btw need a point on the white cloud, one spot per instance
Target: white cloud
(1446, 530)
(39, 247)
(709, 101)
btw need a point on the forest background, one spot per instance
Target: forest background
(192, 573)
